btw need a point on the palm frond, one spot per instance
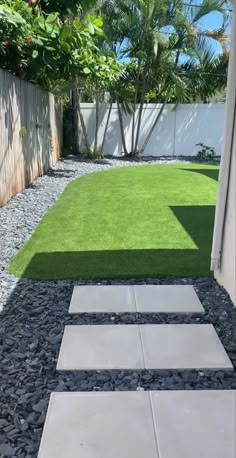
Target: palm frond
(219, 34)
(197, 12)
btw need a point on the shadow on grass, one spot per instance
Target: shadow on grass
(211, 173)
(197, 222)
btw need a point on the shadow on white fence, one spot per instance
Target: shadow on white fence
(177, 132)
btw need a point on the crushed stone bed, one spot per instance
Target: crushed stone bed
(35, 313)
(31, 329)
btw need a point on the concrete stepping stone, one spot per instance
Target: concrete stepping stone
(183, 346)
(167, 346)
(195, 424)
(167, 299)
(93, 347)
(131, 299)
(102, 299)
(189, 424)
(92, 425)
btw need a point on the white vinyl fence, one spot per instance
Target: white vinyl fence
(177, 132)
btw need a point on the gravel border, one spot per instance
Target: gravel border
(35, 313)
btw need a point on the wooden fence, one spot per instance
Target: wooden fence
(30, 134)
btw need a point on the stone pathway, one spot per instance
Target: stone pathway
(146, 346)
(153, 424)
(135, 298)
(166, 424)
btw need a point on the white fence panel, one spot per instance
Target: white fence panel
(177, 132)
(198, 123)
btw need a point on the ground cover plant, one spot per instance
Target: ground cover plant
(143, 221)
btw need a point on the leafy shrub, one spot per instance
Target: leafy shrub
(47, 48)
(23, 132)
(94, 153)
(206, 153)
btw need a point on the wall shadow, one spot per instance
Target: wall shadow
(193, 126)
(177, 132)
(162, 136)
(118, 264)
(197, 221)
(211, 173)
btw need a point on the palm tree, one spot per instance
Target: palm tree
(157, 36)
(208, 78)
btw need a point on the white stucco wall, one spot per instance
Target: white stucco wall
(176, 133)
(226, 276)
(223, 252)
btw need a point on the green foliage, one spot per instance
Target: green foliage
(206, 153)
(136, 51)
(23, 132)
(156, 36)
(207, 77)
(94, 153)
(59, 43)
(65, 7)
(49, 48)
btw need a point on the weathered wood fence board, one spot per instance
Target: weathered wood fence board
(30, 134)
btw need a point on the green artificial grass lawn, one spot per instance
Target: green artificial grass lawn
(149, 221)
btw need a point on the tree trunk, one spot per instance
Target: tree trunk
(134, 113)
(160, 112)
(152, 128)
(75, 121)
(133, 127)
(106, 127)
(134, 142)
(96, 122)
(140, 113)
(83, 126)
(122, 129)
(139, 124)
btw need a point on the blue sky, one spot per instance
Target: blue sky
(213, 21)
